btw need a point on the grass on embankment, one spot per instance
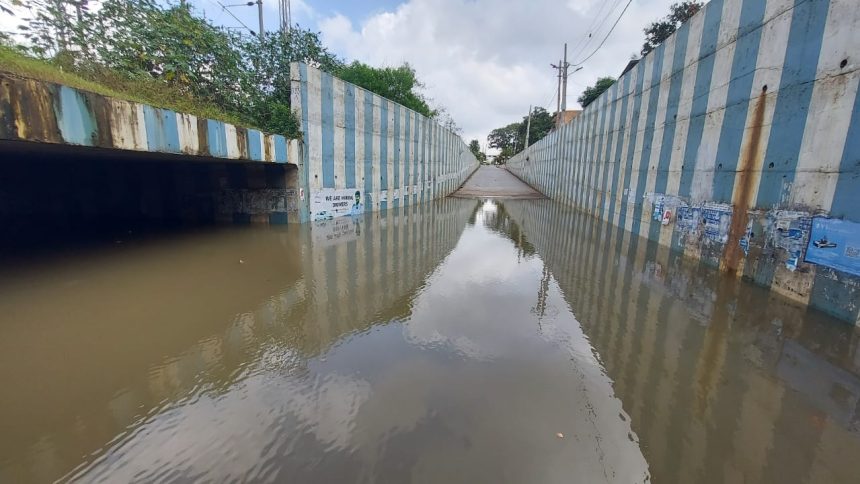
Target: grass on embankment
(110, 84)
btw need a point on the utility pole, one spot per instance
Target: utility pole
(260, 11)
(564, 66)
(528, 127)
(286, 17)
(561, 105)
(558, 98)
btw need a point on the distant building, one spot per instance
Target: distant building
(567, 116)
(630, 65)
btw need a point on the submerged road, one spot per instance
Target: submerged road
(492, 181)
(456, 341)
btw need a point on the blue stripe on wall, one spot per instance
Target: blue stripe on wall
(255, 151)
(792, 103)
(699, 108)
(78, 125)
(599, 156)
(383, 146)
(596, 154)
(425, 169)
(634, 128)
(611, 133)
(162, 133)
(327, 113)
(619, 145)
(216, 138)
(648, 136)
(830, 294)
(281, 149)
(846, 199)
(349, 139)
(396, 149)
(368, 150)
(738, 99)
(698, 111)
(407, 142)
(305, 204)
(671, 123)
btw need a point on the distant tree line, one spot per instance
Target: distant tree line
(475, 148)
(510, 139)
(168, 47)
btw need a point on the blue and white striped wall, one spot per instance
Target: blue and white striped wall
(354, 139)
(44, 112)
(743, 124)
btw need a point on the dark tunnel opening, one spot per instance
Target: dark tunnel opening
(59, 195)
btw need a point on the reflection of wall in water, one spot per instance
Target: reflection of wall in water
(368, 275)
(669, 331)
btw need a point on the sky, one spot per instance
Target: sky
(484, 61)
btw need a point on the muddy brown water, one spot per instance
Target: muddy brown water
(456, 341)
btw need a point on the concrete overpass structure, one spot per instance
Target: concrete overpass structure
(78, 160)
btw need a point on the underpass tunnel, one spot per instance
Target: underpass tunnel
(51, 193)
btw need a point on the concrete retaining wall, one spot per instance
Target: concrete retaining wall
(356, 142)
(43, 112)
(737, 141)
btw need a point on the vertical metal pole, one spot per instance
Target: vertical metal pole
(260, 11)
(528, 127)
(564, 67)
(558, 99)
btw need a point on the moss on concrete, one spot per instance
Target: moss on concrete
(110, 84)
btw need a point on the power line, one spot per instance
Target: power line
(224, 8)
(607, 35)
(588, 31)
(594, 28)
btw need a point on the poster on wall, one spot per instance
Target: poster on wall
(789, 230)
(716, 218)
(836, 244)
(329, 203)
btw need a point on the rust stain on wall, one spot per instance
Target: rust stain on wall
(203, 136)
(242, 142)
(742, 198)
(101, 109)
(7, 116)
(28, 113)
(267, 148)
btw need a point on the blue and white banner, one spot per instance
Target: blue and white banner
(329, 203)
(835, 243)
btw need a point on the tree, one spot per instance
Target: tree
(269, 89)
(593, 92)
(399, 84)
(6, 6)
(443, 117)
(55, 27)
(163, 51)
(541, 124)
(506, 137)
(475, 148)
(659, 31)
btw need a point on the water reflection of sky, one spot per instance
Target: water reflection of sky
(450, 342)
(469, 386)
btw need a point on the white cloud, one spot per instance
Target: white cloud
(486, 60)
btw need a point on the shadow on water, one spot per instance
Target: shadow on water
(445, 342)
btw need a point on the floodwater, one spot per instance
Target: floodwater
(456, 341)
